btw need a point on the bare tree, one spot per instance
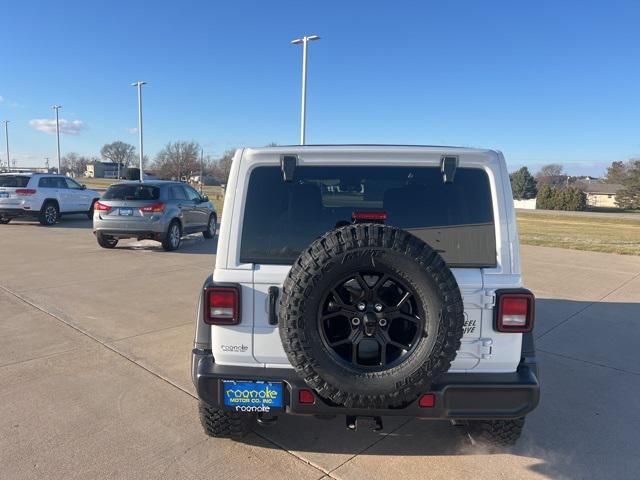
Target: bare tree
(119, 152)
(75, 164)
(223, 167)
(551, 174)
(178, 159)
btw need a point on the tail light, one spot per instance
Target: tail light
(375, 217)
(155, 208)
(101, 207)
(25, 191)
(222, 305)
(515, 311)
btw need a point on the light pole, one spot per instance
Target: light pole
(56, 108)
(6, 138)
(139, 85)
(303, 114)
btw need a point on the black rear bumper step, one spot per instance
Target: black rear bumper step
(461, 396)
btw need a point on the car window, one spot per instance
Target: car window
(13, 181)
(281, 219)
(71, 183)
(134, 191)
(47, 182)
(176, 192)
(191, 193)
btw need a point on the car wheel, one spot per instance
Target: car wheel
(370, 315)
(49, 214)
(495, 434)
(90, 212)
(210, 232)
(173, 237)
(106, 241)
(4, 220)
(224, 424)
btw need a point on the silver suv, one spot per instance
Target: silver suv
(157, 210)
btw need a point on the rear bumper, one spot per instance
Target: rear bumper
(144, 232)
(457, 395)
(18, 211)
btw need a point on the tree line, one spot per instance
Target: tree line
(556, 190)
(174, 161)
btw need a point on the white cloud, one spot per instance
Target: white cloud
(132, 131)
(68, 127)
(1, 99)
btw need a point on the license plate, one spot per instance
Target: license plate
(126, 212)
(243, 396)
(4, 194)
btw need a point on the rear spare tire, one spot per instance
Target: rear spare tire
(370, 315)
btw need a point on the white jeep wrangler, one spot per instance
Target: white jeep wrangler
(367, 281)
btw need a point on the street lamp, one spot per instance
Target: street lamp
(6, 138)
(304, 41)
(56, 108)
(139, 85)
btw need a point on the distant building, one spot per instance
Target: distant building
(602, 194)
(103, 170)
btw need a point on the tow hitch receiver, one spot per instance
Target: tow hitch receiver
(352, 422)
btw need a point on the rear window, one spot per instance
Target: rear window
(132, 192)
(13, 181)
(281, 219)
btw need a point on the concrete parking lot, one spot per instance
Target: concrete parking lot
(94, 375)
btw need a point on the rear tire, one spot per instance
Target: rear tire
(496, 434)
(173, 236)
(210, 232)
(224, 424)
(4, 220)
(50, 214)
(106, 241)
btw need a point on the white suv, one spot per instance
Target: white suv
(367, 281)
(43, 196)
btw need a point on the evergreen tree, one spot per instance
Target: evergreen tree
(523, 185)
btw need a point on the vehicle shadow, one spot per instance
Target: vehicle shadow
(576, 431)
(191, 244)
(79, 220)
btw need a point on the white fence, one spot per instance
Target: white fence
(526, 204)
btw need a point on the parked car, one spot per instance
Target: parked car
(156, 210)
(396, 291)
(45, 197)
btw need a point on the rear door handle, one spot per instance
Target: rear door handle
(273, 302)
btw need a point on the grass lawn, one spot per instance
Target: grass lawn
(611, 235)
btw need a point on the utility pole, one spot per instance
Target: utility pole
(56, 108)
(139, 85)
(201, 169)
(303, 112)
(6, 139)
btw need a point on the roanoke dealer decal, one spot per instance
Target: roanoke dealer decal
(252, 396)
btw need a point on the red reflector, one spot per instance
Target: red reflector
(101, 207)
(155, 208)
(25, 191)
(515, 312)
(428, 400)
(369, 216)
(222, 306)
(306, 397)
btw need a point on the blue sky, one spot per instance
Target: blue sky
(544, 81)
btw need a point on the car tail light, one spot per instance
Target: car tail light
(155, 208)
(222, 306)
(306, 397)
(515, 311)
(25, 191)
(369, 216)
(428, 400)
(101, 207)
